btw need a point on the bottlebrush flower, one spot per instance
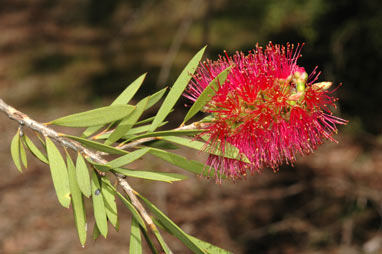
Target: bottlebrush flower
(267, 111)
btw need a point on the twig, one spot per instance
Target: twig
(25, 120)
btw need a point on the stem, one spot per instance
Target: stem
(25, 120)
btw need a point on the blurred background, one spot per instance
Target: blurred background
(60, 57)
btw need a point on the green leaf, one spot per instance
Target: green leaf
(147, 120)
(161, 144)
(35, 151)
(122, 99)
(131, 132)
(110, 204)
(130, 91)
(154, 98)
(182, 162)
(59, 173)
(99, 205)
(97, 146)
(15, 150)
(151, 175)
(209, 248)
(83, 177)
(96, 232)
(77, 202)
(132, 209)
(161, 241)
(177, 90)
(230, 151)
(128, 158)
(95, 117)
(141, 129)
(90, 130)
(207, 94)
(197, 145)
(23, 154)
(135, 238)
(40, 139)
(127, 123)
(166, 133)
(172, 227)
(100, 167)
(148, 240)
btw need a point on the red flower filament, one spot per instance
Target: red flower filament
(267, 111)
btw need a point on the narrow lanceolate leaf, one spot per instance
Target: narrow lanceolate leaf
(172, 227)
(182, 162)
(154, 98)
(197, 145)
(59, 173)
(15, 150)
(135, 238)
(177, 89)
(127, 123)
(99, 205)
(40, 139)
(133, 211)
(110, 204)
(100, 167)
(97, 146)
(140, 129)
(96, 232)
(23, 154)
(162, 144)
(94, 117)
(151, 175)
(209, 248)
(149, 241)
(231, 151)
(82, 175)
(77, 202)
(162, 242)
(91, 130)
(207, 94)
(35, 151)
(128, 158)
(130, 91)
(122, 99)
(131, 132)
(147, 120)
(166, 133)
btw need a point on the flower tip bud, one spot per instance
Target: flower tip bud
(304, 76)
(295, 97)
(301, 75)
(323, 85)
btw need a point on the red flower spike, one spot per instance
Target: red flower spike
(268, 109)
